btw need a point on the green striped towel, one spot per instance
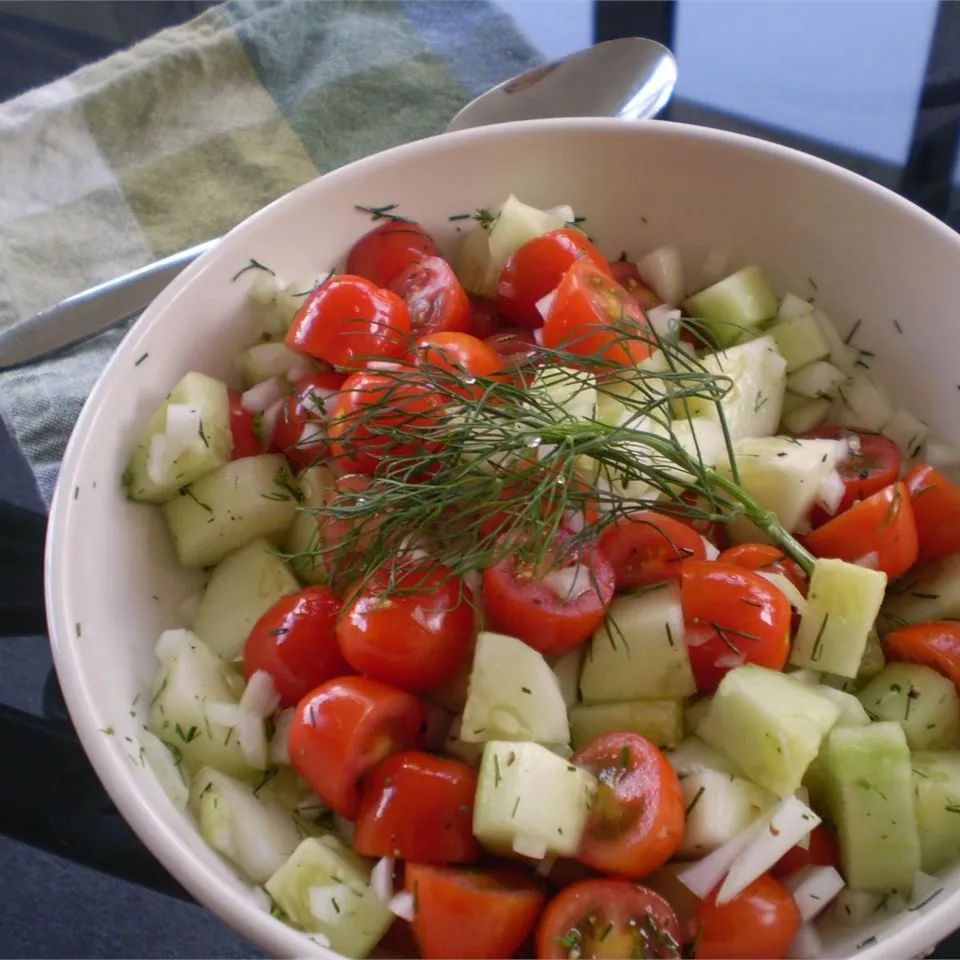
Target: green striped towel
(184, 135)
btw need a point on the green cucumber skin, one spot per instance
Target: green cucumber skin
(936, 783)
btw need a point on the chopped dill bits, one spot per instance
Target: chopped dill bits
(140, 359)
(252, 265)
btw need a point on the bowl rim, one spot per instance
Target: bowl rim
(164, 840)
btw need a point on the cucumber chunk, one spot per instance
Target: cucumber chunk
(752, 404)
(164, 460)
(191, 678)
(931, 592)
(530, 801)
(302, 537)
(660, 721)
(734, 306)
(842, 604)
(325, 888)
(770, 725)
(922, 701)
(695, 712)
(783, 475)
(818, 380)
(799, 341)
(806, 416)
(936, 783)
(718, 806)
(241, 500)
(871, 797)
(567, 667)
(907, 432)
(244, 585)
(513, 695)
(167, 768)
(640, 654)
(862, 404)
(692, 755)
(852, 712)
(254, 832)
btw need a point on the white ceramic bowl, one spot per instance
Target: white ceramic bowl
(861, 250)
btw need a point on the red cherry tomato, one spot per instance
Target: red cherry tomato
(879, 532)
(935, 644)
(418, 807)
(434, 297)
(628, 276)
(731, 616)
(370, 411)
(647, 547)
(342, 729)
(608, 918)
(760, 923)
(593, 316)
(387, 250)
(461, 355)
(554, 611)
(295, 641)
(514, 345)
(766, 558)
(874, 465)
(936, 509)
(535, 270)
(414, 640)
(485, 319)
(347, 321)
(246, 443)
(300, 429)
(636, 822)
(471, 914)
(822, 851)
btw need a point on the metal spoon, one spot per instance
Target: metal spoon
(631, 78)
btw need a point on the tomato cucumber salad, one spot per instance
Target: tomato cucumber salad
(551, 609)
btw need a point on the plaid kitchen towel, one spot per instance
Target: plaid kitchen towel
(181, 137)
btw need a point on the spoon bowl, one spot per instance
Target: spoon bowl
(631, 79)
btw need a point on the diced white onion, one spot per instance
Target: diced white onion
(171, 642)
(381, 879)
(183, 429)
(662, 270)
(575, 521)
(325, 900)
(298, 370)
(269, 422)
(386, 365)
(568, 582)
(730, 661)
(252, 737)
(225, 714)
(544, 304)
(158, 465)
(703, 876)
(165, 769)
(260, 696)
(532, 847)
(543, 868)
(813, 888)
(788, 823)
(279, 752)
(830, 492)
(862, 403)
(869, 560)
(263, 395)
(787, 588)
(806, 944)
(709, 549)
(402, 905)
(538, 336)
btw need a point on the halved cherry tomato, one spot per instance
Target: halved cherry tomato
(628, 276)
(760, 923)
(460, 354)
(246, 443)
(536, 268)
(378, 416)
(414, 639)
(434, 297)
(872, 464)
(471, 914)
(822, 851)
(732, 616)
(766, 558)
(419, 807)
(935, 644)
(636, 822)
(593, 316)
(300, 429)
(879, 532)
(485, 320)
(514, 345)
(388, 250)
(344, 728)
(608, 918)
(349, 320)
(295, 641)
(554, 608)
(936, 509)
(666, 881)
(646, 547)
